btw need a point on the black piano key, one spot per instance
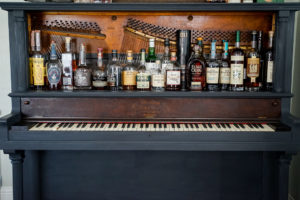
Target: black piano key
(160, 126)
(178, 125)
(165, 125)
(223, 125)
(52, 125)
(133, 125)
(191, 125)
(115, 125)
(242, 126)
(78, 125)
(47, 125)
(186, 126)
(39, 124)
(142, 126)
(228, 125)
(236, 126)
(255, 126)
(84, 125)
(250, 125)
(173, 125)
(70, 125)
(204, 125)
(65, 125)
(110, 125)
(209, 125)
(147, 125)
(218, 125)
(97, 125)
(261, 126)
(92, 125)
(123, 126)
(197, 126)
(154, 125)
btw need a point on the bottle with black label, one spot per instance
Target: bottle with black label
(212, 69)
(173, 75)
(237, 66)
(143, 78)
(224, 68)
(269, 64)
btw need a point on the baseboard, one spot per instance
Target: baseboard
(6, 193)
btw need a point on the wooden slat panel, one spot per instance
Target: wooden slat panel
(150, 108)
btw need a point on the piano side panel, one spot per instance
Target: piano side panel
(150, 108)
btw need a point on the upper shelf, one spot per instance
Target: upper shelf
(151, 7)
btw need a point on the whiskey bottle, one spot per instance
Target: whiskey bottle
(212, 69)
(99, 73)
(224, 68)
(166, 62)
(74, 58)
(269, 64)
(54, 69)
(196, 68)
(158, 78)
(173, 75)
(253, 65)
(151, 58)
(237, 66)
(38, 68)
(143, 78)
(129, 73)
(66, 59)
(82, 76)
(114, 70)
(32, 49)
(260, 51)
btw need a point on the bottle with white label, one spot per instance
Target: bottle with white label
(166, 62)
(237, 67)
(224, 68)
(66, 59)
(151, 58)
(143, 77)
(158, 78)
(173, 75)
(99, 73)
(129, 73)
(269, 64)
(212, 69)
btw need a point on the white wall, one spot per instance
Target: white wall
(5, 103)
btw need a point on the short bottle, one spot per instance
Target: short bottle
(143, 77)
(114, 73)
(54, 70)
(129, 73)
(196, 68)
(253, 66)
(269, 64)
(212, 69)
(99, 73)
(151, 58)
(158, 78)
(224, 68)
(66, 59)
(83, 75)
(237, 66)
(38, 67)
(173, 75)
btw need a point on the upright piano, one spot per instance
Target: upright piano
(150, 145)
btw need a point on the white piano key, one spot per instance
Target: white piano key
(267, 128)
(34, 127)
(151, 127)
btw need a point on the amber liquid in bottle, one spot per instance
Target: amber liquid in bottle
(129, 73)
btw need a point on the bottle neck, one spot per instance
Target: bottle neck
(259, 44)
(129, 59)
(143, 58)
(100, 61)
(82, 58)
(225, 50)
(167, 51)
(254, 41)
(237, 42)
(38, 42)
(114, 57)
(53, 55)
(68, 47)
(213, 50)
(270, 46)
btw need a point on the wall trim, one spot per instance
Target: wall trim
(6, 193)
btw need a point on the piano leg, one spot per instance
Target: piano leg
(17, 158)
(284, 161)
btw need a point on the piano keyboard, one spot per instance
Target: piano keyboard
(171, 127)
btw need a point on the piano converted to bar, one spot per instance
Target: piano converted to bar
(131, 145)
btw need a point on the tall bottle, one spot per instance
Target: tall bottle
(269, 64)
(129, 73)
(253, 66)
(173, 75)
(143, 78)
(261, 53)
(237, 66)
(196, 68)
(99, 73)
(32, 49)
(166, 62)
(83, 75)
(54, 69)
(212, 69)
(38, 63)
(151, 58)
(66, 59)
(224, 68)
(114, 71)
(74, 57)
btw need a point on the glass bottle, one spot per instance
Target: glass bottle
(196, 68)
(38, 67)
(99, 73)
(66, 59)
(83, 75)
(269, 64)
(32, 49)
(166, 62)
(253, 65)
(173, 75)
(74, 57)
(54, 69)
(212, 69)
(224, 68)
(158, 78)
(260, 51)
(151, 58)
(114, 70)
(129, 73)
(143, 78)
(237, 66)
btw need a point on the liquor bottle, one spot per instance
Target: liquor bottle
(253, 65)
(260, 51)
(129, 73)
(269, 64)
(74, 57)
(237, 66)
(224, 68)
(82, 76)
(196, 68)
(212, 69)
(173, 75)
(158, 78)
(99, 73)
(166, 62)
(66, 59)
(54, 69)
(38, 63)
(143, 78)
(114, 70)
(151, 58)
(32, 49)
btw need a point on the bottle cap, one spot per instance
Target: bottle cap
(68, 39)
(173, 54)
(199, 38)
(271, 33)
